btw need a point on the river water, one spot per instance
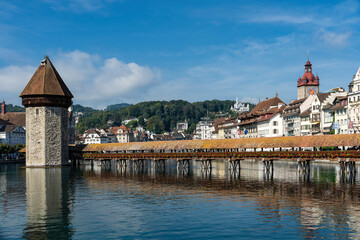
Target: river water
(93, 202)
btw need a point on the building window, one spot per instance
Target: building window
(275, 123)
(275, 131)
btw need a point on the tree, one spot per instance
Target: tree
(191, 129)
(132, 124)
(155, 124)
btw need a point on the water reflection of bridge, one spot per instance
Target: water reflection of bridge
(321, 197)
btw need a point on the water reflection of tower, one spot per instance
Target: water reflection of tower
(48, 196)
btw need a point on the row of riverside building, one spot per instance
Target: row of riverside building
(312, 113)
(12, 127)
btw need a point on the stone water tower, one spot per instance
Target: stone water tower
(46, 99)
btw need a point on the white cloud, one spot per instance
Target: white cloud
(334, 39)
(118, 78)
(279, 18)
(13, 79)
(93, 81)
(79, 5)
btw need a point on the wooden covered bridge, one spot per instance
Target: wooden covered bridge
(303, 149)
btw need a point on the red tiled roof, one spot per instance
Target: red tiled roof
(308, 79)
(306, 112)
(92, 131)
(17, 118)
(271, 113)
(266, 104)
(4, 122)
(114, 130)
(323, 96)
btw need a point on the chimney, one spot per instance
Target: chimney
(3, 108)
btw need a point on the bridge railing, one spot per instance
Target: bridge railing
(331, 155)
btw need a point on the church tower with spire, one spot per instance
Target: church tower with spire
(308, 84)
(46, 99)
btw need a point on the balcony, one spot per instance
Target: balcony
(315, 129)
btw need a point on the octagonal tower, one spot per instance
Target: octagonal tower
(46, 99)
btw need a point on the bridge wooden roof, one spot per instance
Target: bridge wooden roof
(273, 142)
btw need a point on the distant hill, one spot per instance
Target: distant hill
(116, 106)
(14, 108)
(161, 116)
(80, 108)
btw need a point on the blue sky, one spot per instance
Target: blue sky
(110, 51)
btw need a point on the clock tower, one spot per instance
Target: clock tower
(308, 84)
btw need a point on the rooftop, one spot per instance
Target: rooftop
(46, 81)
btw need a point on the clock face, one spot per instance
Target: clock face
(312, 91)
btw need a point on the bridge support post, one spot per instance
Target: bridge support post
(138, 164)
(183, 166)
(303, 165)
(205, 167)
(347, 170)
(268, 165)
(120, 163)
(106, 162)
(234, 164)
(183, 163)
(159, 164)
(206, 163)
(347, 166)
(234, 168)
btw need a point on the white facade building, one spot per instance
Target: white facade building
(204, 129)
(93, 136)
(305, 124)
(354, 104)
(12, 135)
(240, 107)
(182, 126)
(340, 115)
(321, 117)
(271, 126)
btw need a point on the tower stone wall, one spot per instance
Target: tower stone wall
(46, 136)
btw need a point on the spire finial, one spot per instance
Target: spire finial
(308, 54)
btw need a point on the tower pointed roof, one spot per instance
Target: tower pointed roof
(46, 81)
